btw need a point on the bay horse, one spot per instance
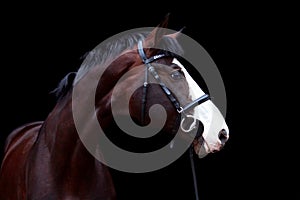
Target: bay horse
(50, 159)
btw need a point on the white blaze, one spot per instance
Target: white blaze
(208, 114)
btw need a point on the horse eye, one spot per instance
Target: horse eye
(177, 74)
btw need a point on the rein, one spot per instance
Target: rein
(180, 109)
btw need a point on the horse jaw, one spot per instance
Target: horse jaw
(210, 116)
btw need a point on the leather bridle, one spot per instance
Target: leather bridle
(147, 61)
(180, 109)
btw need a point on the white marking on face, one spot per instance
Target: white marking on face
(210, 116)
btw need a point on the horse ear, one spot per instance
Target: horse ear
(176, 34)
(157, 33)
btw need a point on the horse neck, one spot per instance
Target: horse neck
(64, 161)
(59, 132)
(60, 136)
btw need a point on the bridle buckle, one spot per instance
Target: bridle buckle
(180, 109)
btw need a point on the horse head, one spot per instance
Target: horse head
(144, 89)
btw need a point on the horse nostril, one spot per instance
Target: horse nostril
(223, 136)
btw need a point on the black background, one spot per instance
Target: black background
(42, 43)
